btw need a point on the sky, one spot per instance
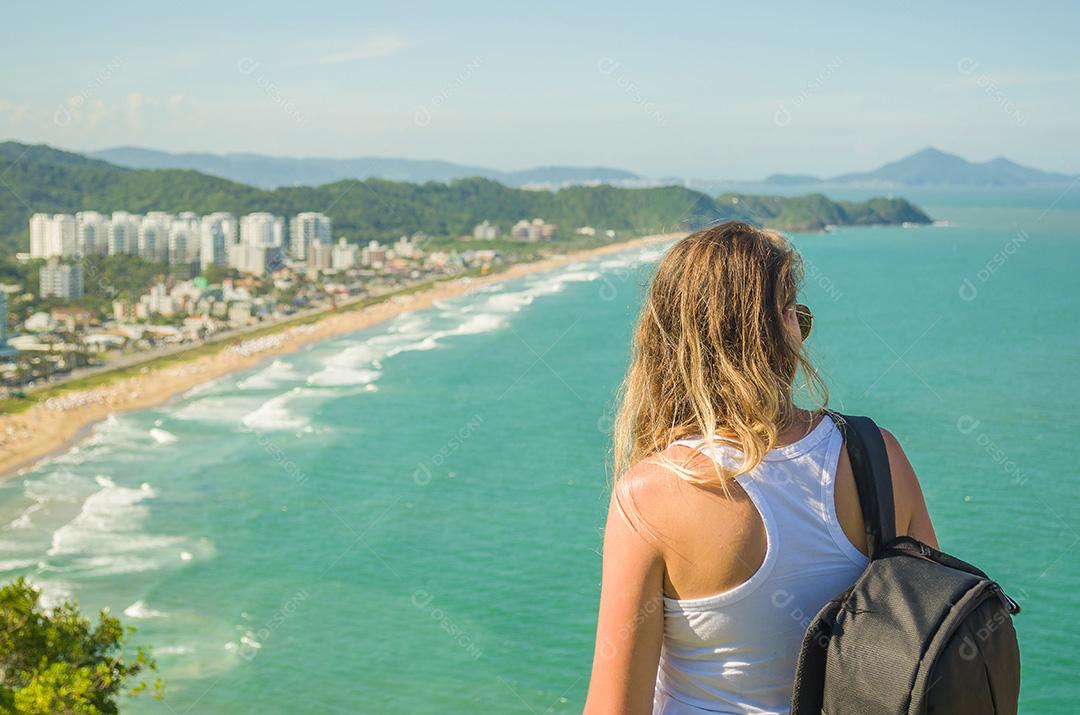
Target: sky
(710, 90)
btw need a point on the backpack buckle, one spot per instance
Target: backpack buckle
(1010, 605)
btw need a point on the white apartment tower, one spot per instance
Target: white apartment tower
(217, 236)
(184, 238)
(262, 238)
(91, 233)
(52, 236)
(123, 233)
(306, 229)
(262, 229)
(153, 242)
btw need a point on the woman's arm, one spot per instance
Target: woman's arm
(912, 516)
(630, 629)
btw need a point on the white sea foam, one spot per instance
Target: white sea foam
(428, 343)
(359, 364)
(579, 276)
(408, 323)
(274, 414)
(112, 430)
(53, 593)
(216, 409)
(649, 255)
(23, 520)
(162, 436)
(16, 564)
(513, 301)
(333, 376)
(60, 485)
(112, 564)
(476, 324)
(270, 376)
(107, 531)
(201, 388)
(174, 650)
(139, 609)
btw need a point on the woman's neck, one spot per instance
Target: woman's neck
(800, 424)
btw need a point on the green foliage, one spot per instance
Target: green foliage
(216, 274)
(119, 276)
(25, 274)
(814, 212)
(39, 178)
(58, 661)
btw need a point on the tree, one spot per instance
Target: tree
(58, 661)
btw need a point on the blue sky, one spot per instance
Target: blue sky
(709, 89)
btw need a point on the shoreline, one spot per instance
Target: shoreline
(54, 426)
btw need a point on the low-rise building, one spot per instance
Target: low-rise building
(486, 231)
(343, 256)
(535, 230)
(156, 302)
(71, 318)
(373, 255)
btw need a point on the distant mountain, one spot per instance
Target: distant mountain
(270, 172)
(792, 179)
(41, 178)
(932, 167)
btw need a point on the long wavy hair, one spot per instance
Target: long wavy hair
(711, 357)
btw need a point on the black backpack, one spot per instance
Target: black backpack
(920, 632)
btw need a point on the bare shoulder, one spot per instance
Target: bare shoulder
(652, 480)
(912, 516)
(903, 474)
(651, 493)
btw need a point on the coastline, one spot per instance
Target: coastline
(55, 425)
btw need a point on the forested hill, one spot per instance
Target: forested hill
(40, 178)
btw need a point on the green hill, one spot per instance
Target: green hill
(40, 178)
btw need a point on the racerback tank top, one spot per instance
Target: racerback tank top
(735, 652)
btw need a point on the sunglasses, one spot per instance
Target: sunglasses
(805, 318)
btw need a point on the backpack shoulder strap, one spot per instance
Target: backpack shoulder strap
(873, 479)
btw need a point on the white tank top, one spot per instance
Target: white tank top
(735, 652)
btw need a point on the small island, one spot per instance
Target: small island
(816, 212)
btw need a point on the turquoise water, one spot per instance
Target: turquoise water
(407, 519)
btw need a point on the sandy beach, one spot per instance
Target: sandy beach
(60, 421)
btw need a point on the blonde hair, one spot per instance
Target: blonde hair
(711, 357)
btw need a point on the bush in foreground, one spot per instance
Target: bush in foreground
(58, 661)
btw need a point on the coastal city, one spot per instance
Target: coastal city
(108, 290)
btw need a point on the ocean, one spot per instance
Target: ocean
(408, 519)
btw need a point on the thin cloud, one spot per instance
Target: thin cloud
(369, 49)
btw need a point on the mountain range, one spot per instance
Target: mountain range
(40, 178)
(928, 167)
(933, 167)
(270, 172)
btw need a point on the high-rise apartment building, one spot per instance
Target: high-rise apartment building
(153, 241)
(124, 233)
(217, 238)
(307, 229)
(91, 233)
(52, 236)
